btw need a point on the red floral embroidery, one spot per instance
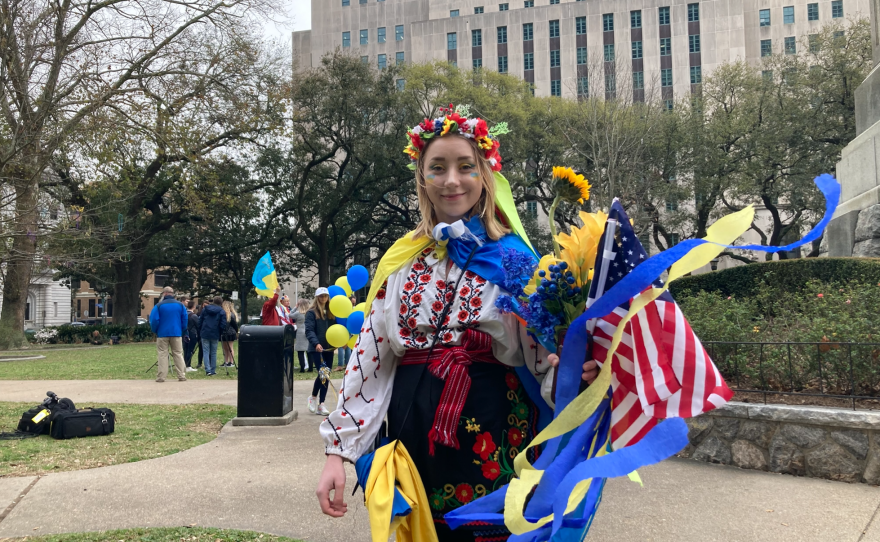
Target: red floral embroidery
(511, 381)
(418, 266)
(380, 294)
(514, 436)
(471, 302)
(409, 286)
(464, 493)
(476, 302)
(464, 291)
(410, 301)
(425, 278)
(491, 470)
(437, 306)
(417, 298)
(470, 275)
(484, 445)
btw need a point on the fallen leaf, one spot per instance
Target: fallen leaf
(786, 524)
(769, 510)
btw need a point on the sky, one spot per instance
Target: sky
(298, 17)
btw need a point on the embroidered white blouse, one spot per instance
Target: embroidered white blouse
(404, 317)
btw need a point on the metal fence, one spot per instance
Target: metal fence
(840, 370)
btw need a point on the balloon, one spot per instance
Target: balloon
(342, 282)
(337, 335)
(360, 307)
(353, 341)
(358, 276)
(340, 306)
(342, 321)
(355, 322)
(335, 291)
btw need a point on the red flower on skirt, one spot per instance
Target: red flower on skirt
(484, 445)
(515, 436)
(491, 470)
(464, 493)
(511, 381)
(447, 337)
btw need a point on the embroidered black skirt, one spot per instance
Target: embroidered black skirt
(497, 421)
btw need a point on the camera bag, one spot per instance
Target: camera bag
(87, 422)
(38, 419)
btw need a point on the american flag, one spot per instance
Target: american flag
(660, 369)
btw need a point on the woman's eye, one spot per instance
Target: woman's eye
(436, 169)
(467, 166)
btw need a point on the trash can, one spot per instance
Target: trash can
(265, 374)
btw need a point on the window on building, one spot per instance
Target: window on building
(609, 52)
(453, 13)
(383, 61)
(581, 55)
(583, 87)
(502, 64)
(674, 239)
(671, 204)
(608, 22)
(767, 75)
(790, 46)
(693, 13)
(788, 15)
(580, 25)
(836, 9)
(694, 43)
(503, 7)
(365, 37)
(610, 83)
(529, 61)
(696, 75)
(532, 209)
(638, 80)
(838, 39)
(478, 10)
(502, 34)
(554, 29)
(665, 46)
(554, 59)
(365, 59)
(529, 4)
(555, 87)
(401, 84)
(451, 41)
(666, 77)
(362, 2)
(346, 39)
(528, 32)
(476, 38)
(453, 63)
(399, 58)
(636, 49)
(554, 2)
(812, 12)
(398, 33)
(663, 15)
(764, 17)
(346, 3)
(477, 63)
(635, 19)
(766, 47)
(813, 40)
(380, 35)
(668, 105)
(160, 281)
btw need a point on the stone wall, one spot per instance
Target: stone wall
(830, 443)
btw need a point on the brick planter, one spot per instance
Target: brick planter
(819, 442)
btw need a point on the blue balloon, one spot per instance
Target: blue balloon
(341, 321)
(358, 277)
(355, 322)
(335, 291)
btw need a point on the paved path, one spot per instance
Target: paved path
(263, 479)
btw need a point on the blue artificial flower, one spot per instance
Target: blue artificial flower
(518, 268)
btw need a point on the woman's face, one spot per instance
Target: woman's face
(323, 299)
(452, 179)
(286, 302)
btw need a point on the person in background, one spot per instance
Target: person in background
(212, 325)
(344, 352)
(199, 310)
(318, 320)
(230, 335)
(169, 322)
(301, 343)
(283, 310)
(192, 336)
(269, 314)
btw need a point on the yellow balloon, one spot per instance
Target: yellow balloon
(359, 307)
(353, 341)
(340, 306)
(337, 335)
(342, 282)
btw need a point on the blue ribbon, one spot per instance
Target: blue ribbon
(486, 261)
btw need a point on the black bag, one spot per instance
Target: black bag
(38, 419)
(87, 422)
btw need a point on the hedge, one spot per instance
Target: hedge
(82, 334)
(783, 276)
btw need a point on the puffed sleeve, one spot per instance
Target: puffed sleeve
(365, 394)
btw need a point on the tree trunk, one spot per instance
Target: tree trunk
(130, 276)
(20, 262)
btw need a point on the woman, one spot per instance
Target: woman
(301, 344)
(283, 311)
(212, 325)
(192, 338)
(318, 320)
(230, 335)
(435, 353)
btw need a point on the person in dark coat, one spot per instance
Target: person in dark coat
(318, 320)
(212, 325)
(191, 339)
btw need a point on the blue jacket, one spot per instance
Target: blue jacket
(168, 318)
(212, 322)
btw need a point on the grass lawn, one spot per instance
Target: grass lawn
(142, 432)
(173, 534)
(120, 362)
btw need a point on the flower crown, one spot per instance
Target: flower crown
(455, 120)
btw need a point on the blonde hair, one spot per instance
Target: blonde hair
(485, 207)
(229, 308)
(321, 312)
(302, 305)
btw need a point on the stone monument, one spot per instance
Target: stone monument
(855, 228)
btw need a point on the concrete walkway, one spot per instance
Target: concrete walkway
(263, 479)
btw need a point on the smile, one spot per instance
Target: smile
(452, 197)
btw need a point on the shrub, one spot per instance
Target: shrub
(82, 334)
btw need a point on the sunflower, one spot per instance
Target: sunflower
(570, 186)
(578, 249)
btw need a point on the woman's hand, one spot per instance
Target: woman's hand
(332, 478)
(319, 348)
(591, 368)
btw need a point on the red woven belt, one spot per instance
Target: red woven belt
(450, 364)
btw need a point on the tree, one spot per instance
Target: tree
(60, 63)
